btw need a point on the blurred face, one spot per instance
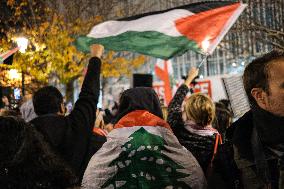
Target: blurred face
(5, 100)
(274, 101)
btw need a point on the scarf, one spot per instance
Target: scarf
(269, 126)
(270, 129)
(192, 127)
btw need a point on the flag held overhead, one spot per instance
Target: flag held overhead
(7, 57)
(199, 27)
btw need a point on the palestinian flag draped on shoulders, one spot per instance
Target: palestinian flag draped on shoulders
(142, 152)
(165, 34)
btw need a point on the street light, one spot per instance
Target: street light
(13, 74)
(22, 43)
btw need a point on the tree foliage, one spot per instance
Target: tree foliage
(50, 54)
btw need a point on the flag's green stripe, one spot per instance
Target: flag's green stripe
(1, 59)
(151, 43)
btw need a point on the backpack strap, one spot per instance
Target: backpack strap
(218, 140)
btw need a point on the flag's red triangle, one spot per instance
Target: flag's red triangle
(206, 25)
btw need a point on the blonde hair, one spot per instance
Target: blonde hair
(165, 112)
(200, 108)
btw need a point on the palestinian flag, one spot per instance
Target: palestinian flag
(7, 57)
(142, 152)
(164, 34)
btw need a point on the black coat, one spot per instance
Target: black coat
(269, 129)
(71, 136)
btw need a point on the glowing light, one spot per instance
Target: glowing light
(243, 63)
(14, 74)
(205, 44)
(201, 76)
(22, 42)
(234, 64)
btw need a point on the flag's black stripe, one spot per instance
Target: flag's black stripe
(194, 8)
(9, 60)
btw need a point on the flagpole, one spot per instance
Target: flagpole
(203, 60)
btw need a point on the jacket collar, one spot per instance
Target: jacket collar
(242, 135)
(269, 127)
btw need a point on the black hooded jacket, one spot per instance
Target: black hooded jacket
(139, 98)
(71, 136)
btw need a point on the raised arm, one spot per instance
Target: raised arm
(84, 112)
(175, 109)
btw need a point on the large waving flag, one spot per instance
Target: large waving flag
(164, 34)
(142, 152)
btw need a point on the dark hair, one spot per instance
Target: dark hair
(47, 100)
(226, 103)
(222, 120)
(26, 160)
(220, 105)
(256, 74)
(108, 117)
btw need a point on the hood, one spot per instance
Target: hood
(139, 98)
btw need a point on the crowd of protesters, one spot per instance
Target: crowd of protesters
(194, 143)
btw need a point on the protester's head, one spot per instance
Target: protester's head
(26, 160)
(223, 119)
(200, 109)
(5, 101)
(264, 82)
(48, 100)
(225, 102)
(107, 117)
(220, 105)
(139, 98)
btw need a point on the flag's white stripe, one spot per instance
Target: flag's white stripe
(125, 132)
(164, 23)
